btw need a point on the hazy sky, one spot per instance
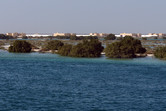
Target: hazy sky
(83, 16)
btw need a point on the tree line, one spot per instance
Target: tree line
(3, 36)
(128, 47)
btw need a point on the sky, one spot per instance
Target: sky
(83, 16)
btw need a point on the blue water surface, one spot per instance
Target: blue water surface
(49, 82)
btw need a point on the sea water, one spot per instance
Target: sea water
(49, 82)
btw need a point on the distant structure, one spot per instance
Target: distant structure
(118, 35)
(16, 34)
(130, 34)
(64, 34)
(161, 35)
(98, 34)
(21, 35)
(151, 35)
(59, 34)
(83, 35)
(38, 35)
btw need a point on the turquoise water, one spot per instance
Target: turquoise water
(49, 82)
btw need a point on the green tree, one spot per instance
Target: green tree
(110, 37)
(20, 47)
(126, 48)
(160, 52)
(92, 48)
(2, 36)
(65, 50)
(54, 45)
(88, 48)
(135, 44)
(74, 38)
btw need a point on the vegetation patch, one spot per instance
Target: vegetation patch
(54, 45)
(160, 52)
(91, 48)
(128, 47)
(20, 46)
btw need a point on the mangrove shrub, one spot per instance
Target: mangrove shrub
(65, 50)
(110, 37)
(20, 46)
(88, 48)
(54, 45)
(126, 48)
(160, 52)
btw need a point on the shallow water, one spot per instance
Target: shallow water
(39, 82)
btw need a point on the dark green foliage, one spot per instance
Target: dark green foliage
(164, 37)
(160, 52)
(126, 48)
(24, 37)
(117, 50)
(2, 36)
(20, 46)
(89, 37)
(92, 48)
(135, 44)
(65, 50)
(155, 37)
(54, 45)
(74, 38)
(110, 37)
(144, 38)
(62, 37)
(119, 38)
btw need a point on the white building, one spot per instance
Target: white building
(149, 35)
(37, 35)
(118, 36)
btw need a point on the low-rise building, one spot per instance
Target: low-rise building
(153, 34)
(64, 34)
(161, 35)
(98, 34)
(149, 35)
(129, 34)
(59, 34)
(118, 35)
(16, 34)
(70, 34)
(38, 35)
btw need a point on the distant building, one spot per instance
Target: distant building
(59, 34)
(150, 35)
(118, 36)
(153, 34)
(98, 34)
(16, 34)
(64, 34)
(37, 35)
(103, 34)
(9, 34)
(129, 34)
(139, 34)
(94, 34)
(70, 34)
(161, 35)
